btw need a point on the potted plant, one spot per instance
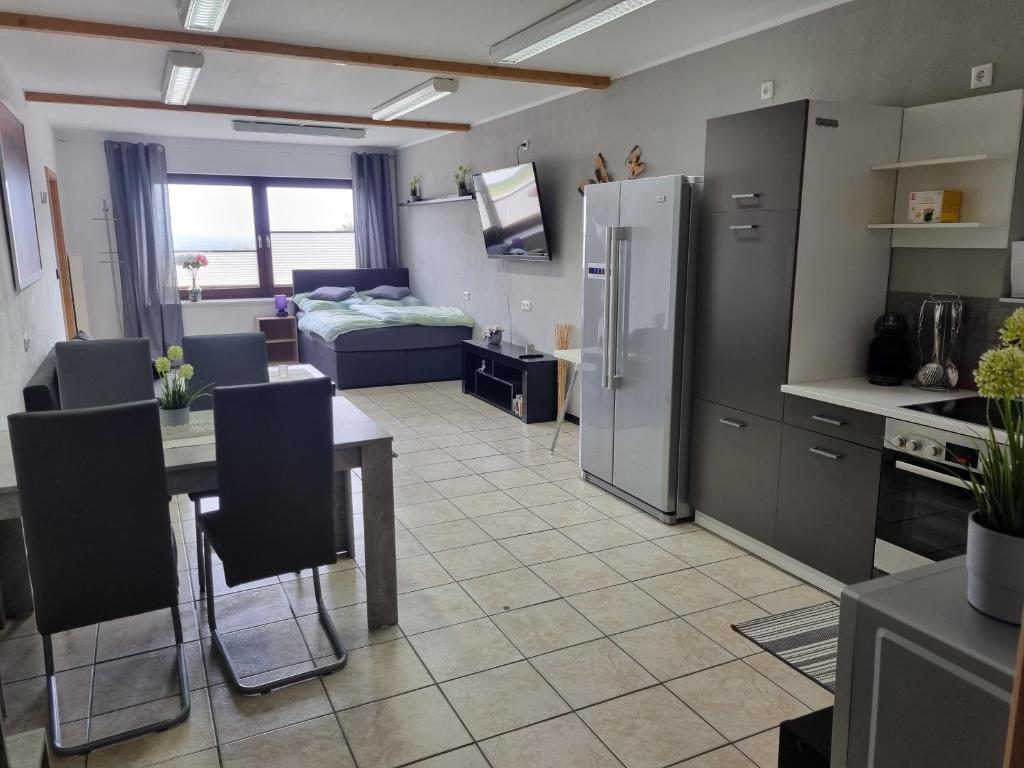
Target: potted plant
(995, 533)
(176, 394)
(462, 180)
(492, 335)
(193, 262)
(414, 189)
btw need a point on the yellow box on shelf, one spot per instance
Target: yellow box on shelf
(940, 206)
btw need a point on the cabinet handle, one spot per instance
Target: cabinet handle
(732, 423)
(830, 422)
(735, 227)
(826, 454)
(745, 196)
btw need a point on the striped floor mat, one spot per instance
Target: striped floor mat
(805, 639)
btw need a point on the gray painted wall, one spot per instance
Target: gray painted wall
(892, 52)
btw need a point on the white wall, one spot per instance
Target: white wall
(34, 313)
(85, 184)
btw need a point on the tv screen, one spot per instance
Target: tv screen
(510, 213)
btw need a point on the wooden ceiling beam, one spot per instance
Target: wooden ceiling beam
(210, 109)
(189, 39)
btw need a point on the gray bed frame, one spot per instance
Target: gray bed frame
(379, 356)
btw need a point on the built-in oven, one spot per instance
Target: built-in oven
(924, 496)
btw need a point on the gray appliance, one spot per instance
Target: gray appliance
(639, 279)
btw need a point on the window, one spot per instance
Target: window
(255, 231)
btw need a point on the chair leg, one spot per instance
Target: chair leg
(341, 655)
(201, 565)
(52, 699)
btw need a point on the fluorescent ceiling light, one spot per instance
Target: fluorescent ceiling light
(203, 15)
(180, 76)
(425, 93)
(561, 27)
(305, 129)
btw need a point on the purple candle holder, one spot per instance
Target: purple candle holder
(281, 302)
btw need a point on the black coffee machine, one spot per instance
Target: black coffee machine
(889, 353)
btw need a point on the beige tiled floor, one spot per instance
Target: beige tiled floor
(543, 622)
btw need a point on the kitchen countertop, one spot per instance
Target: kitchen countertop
(858, 394)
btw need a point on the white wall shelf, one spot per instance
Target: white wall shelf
(435, 200)
(1011, 300)
(935, 225)
(936, 161)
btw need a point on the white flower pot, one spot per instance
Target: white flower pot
(995, 572)
(178, 417)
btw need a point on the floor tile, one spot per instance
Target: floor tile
(141, 678)
(763, 748)
(419, 573)
(541, 547)
(749, 576)
(350, 624)
(428, 513)
(466, 757)
(580, 488)
(737, 700)
(464, 649)
(514, 522)
(312, 744)
(650, 729)
(717, 623)
(671, 649)
(571, 512)
(726, 757)
(700, 547)
(564, 742)
(459, 533)
(376, 672)
(592, 672)
(27, 707)
(537, 457)
(546, 627)
(435, 608)
(795, 683)
(562, 470)
(402, 729)
(641, 560)
(470, 451)
(610, 505)
(538, 494)
(502, 699)
(616, 609)
(340, 588)
(686, 591)
(415, 494)
(603, 534)
(461, 486)
(136, 634)
(22, 657)
(791, 599)
(423, 458)
(406, 545)
(496, 463)
(573, 575)
(238, 716)
(443, 470)
(508, 590)
(205, 759)
(246, 609)
(488, 503)
(651, 528)
(477, 560)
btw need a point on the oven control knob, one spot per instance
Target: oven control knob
(933, 450)
(898, 441)
(913, 445)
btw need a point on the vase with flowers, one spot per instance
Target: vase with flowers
(414, 189)
(492, 335)
(192, 263)
(995, 532)
(461, 177)
(176, 393)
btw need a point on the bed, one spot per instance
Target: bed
(388, 352)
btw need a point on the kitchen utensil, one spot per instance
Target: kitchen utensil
(956, 309)
(931, 375)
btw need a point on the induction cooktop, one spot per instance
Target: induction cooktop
(973, 410)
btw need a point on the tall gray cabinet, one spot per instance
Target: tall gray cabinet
(790, 282)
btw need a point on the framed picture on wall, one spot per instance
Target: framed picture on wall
(18, 206)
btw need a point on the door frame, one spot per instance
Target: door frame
(67, 292)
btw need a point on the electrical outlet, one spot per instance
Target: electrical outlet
(768, 89)
(527, 306)
(465, 295)
(981, 76)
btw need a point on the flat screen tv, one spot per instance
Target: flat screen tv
(511, 215)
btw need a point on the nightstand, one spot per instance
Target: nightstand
(282, 338)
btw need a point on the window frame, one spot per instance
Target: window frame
(261, 223)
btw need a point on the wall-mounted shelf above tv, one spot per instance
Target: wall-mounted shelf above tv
(936, 161)
(935, 225)
(435, 200)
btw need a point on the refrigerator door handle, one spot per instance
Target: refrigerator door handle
(613, 236)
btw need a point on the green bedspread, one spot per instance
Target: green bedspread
(329, 324)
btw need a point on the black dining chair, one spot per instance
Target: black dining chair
(276, 512)
(95, 557)
(103, 372)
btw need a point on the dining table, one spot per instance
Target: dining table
(360, 443)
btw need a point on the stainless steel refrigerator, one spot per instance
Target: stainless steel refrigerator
(639, 278)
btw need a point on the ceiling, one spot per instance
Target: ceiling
(461, 30)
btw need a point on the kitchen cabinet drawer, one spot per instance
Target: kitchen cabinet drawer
(862, 427)
(735, 468)
(755, 160)
(744, 301)
(828, 494)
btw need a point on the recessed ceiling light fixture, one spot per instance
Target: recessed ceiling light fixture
(425, 93)
(180, 76)
(202, 15)
(561, 27)
(303, 129)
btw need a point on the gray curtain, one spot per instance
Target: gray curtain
(149, 288)
(373, 198)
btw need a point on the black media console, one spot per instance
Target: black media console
(498, 375)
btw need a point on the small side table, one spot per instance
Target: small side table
(282, 338)
(573, 357)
